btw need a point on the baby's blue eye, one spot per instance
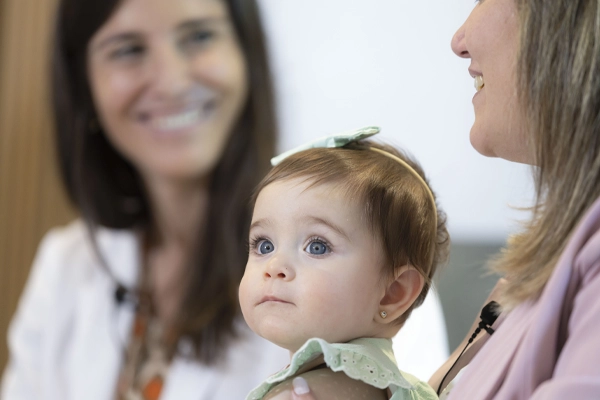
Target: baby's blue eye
(317, 248)
(265, 247)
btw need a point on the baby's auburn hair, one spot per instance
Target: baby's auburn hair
(397, 209)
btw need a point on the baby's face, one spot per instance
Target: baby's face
(314, 268)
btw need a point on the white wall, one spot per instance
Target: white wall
(344, 64)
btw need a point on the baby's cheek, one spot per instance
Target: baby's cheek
(329, 306)
(245, 296)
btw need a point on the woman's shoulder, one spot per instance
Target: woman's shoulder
(71, 235)
(67, 252)
(58, 249)
(75, 238)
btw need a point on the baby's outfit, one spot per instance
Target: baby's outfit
(370, 360)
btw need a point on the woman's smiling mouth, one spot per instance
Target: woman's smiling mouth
(479, 83)
(170, 121)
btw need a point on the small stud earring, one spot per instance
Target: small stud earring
(383, 314)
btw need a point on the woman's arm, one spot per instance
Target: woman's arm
(325, 384)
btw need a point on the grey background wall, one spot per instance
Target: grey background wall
(464, 285)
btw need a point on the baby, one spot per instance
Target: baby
(344, 243)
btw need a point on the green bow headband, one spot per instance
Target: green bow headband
(342, 139)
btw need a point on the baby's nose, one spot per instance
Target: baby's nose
(278, 267)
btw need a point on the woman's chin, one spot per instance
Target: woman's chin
(479, 142)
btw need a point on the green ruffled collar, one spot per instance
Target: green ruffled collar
(370, 360)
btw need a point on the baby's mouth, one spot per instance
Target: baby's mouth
(267, 299)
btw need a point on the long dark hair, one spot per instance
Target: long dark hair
(108, 190)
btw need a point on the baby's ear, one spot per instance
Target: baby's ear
(400, 294)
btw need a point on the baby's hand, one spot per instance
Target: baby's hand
(301, 389)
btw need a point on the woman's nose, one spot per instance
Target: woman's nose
(458, 43)
(279, 268)
(170, 75)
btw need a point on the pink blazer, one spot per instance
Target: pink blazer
(550, 348)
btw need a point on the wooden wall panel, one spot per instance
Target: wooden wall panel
(31, 197)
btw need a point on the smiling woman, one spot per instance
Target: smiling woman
(164, 122)
(492, 36)
(540, 105)
(168, 84)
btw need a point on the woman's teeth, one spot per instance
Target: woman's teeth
(178, 121)
(479, 84)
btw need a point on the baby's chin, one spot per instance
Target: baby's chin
(292, 345)
(293, 338)
(282, 339)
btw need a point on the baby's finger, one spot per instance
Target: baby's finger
(301, 389)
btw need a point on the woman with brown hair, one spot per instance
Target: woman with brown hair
(536, 67)
(165, 122)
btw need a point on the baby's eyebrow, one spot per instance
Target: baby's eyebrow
(326, 222)
(261, 223)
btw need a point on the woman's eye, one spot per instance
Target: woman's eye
(265, 247)
(317, 247)
(125, 52)
(198, 38)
